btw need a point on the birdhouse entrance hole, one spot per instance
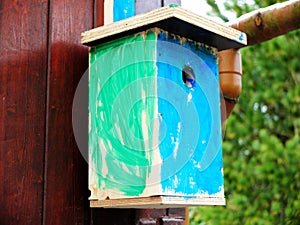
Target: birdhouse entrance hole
(188, 76)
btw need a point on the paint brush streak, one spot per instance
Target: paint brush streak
(151, 133)
(189, 107)
(127, 113)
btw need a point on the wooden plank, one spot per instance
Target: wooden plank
(150, 213)
(99, 13)
(171, 221)
(23, 65)
(66, 193)
(175, 20)
(108, 11)
(177, 212)
(155, 202)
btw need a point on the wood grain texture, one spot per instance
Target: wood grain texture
(172, 19)
(161, 216)
(27, 63)
(99, 13)
(171, 221)
(267, 23)
(23, 60)
(65, 200)
(155, 202)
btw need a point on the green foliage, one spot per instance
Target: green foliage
(216, 10)
(262, 143)
(239, 7)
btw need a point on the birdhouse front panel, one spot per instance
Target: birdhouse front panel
(154, 118)
(190, 130)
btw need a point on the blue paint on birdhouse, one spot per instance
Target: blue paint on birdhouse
(154, 105)
(191, 116)
(123, 9)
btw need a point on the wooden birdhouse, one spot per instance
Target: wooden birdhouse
(155, 135)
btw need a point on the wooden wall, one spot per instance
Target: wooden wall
(43, 177)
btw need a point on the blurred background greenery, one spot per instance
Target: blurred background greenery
(261, 147)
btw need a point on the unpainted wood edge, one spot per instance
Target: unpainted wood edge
(108, 12)
(161, 14)
(210, 25)
(127, 202)
(155, 202)
(126, 24)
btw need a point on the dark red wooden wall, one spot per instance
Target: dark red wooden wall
(43, 177)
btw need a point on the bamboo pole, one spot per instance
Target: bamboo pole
(267, 23)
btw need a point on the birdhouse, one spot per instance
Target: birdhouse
(155, 135)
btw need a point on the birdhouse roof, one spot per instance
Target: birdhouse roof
(173, 19)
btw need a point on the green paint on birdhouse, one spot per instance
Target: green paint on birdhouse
(154, 112)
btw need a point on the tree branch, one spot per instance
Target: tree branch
(267, 23)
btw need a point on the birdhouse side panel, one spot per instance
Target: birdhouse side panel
(190, 128)
(122, 108)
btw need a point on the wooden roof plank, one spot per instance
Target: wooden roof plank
(172, 19)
